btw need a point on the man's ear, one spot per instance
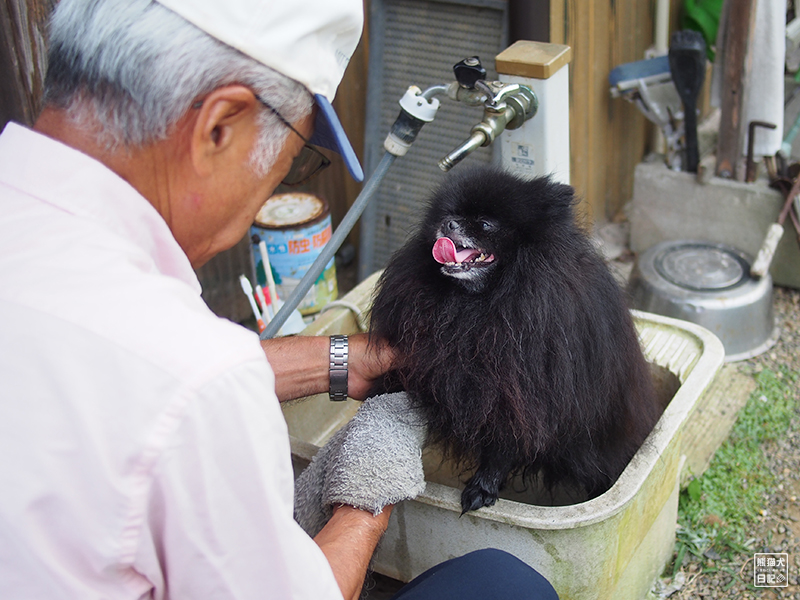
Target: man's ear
(224, 128)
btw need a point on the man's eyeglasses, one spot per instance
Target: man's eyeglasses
(308, 163)
(305, 165)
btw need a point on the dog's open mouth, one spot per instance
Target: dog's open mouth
(459, 258)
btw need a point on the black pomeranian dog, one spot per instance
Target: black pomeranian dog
(514, 338)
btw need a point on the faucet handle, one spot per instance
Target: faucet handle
(469, 71)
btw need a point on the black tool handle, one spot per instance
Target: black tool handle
(687, 64)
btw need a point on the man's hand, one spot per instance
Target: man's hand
(348, 541)
(343, 497)
(368, 361)
(301, 363)
(373, 461)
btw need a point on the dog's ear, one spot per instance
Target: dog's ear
(541, 206)
(551, 190)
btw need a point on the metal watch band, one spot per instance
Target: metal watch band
(338, 368)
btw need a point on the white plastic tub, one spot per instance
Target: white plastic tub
(613, 546)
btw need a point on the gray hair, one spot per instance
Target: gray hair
(136, 67)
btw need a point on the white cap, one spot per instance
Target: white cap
(310, 41)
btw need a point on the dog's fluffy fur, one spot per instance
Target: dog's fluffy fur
(521, 352)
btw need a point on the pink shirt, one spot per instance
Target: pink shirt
(143, 453)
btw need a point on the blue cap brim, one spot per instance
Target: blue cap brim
(329, 133)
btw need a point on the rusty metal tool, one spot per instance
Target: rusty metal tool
(751, 170)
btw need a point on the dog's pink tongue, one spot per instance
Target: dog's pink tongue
(444, 251)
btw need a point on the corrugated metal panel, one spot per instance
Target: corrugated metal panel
(416, 42)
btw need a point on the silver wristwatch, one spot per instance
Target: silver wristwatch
(338, 368)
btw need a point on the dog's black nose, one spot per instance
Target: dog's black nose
(453, 225)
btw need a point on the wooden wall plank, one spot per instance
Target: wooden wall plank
(628, 129)
(557, 22)
(23, 57)
(608, 137)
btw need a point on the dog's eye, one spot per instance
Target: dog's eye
(486, 225)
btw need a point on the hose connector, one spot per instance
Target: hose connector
(415, 111)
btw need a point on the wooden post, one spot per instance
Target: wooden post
(737, 65)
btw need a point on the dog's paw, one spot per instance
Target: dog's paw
(475, 496)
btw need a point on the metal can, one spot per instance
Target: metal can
(295, 227)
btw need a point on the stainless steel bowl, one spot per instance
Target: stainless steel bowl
(710, 285)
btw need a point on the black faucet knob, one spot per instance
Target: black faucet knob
(469, 71)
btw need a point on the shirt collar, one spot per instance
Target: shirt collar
(78, 184)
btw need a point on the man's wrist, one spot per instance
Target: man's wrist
(339, 357)
(364, 520)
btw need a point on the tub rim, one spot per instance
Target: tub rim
(695, 371)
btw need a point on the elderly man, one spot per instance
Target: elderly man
(143, 451)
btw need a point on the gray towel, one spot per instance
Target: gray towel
(373, 461)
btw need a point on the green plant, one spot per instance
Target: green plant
(717, 510)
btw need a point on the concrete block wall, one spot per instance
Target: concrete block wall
(670, 205)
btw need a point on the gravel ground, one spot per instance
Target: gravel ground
(778, 529)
